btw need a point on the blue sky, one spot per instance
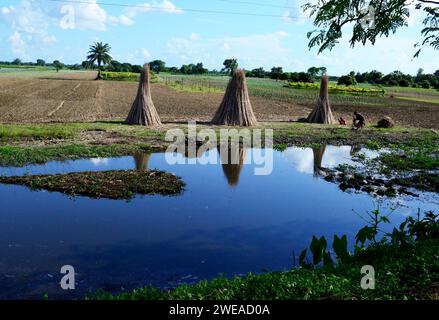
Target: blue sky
(169, 30)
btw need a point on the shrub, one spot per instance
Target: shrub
(347, 81)
(404, 83)
(305, 77)
(425, 85)
(125, 76)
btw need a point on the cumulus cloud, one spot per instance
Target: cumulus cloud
(138, 56)
(165, 6)
(17, 44)
(252, 51)
(87, 16)
(30, 27)
(294, 12)
(91, 16)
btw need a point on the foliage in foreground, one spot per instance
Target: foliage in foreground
(404, 267)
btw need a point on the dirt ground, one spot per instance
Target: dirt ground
(71, 97)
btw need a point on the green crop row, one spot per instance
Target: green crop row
(333, 88)
(125, 76)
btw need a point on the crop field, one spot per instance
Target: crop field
(39, 96)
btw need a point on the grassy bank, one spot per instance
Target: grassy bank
(21, 156)
(39, 143)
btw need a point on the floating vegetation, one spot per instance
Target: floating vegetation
(105, 184)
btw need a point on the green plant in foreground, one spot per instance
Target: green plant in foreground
(409, 231)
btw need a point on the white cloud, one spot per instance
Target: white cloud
(252, 51)
(165, 6)
(294, 13)
(7, 10)
(387, 55)
(145, 53)
(91, 16)
(88, 16)
(18, 45)
(138, 56)
(416, 15)
(123, 20)
(30, 27)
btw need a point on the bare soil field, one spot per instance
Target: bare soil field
(74, 97)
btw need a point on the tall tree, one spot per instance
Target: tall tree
(379, 18)
(317, 71)
(100, 53)
(58, 65)
(276, 73)
(230, 66)
(157, 66)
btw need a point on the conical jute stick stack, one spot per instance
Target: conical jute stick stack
(143, 111)
(322, 111)
(236, 108)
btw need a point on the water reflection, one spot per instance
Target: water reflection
(232, 162)
(141, 160)
(318, 158)
(212, 228)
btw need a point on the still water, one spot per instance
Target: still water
(227, 221)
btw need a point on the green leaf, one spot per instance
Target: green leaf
(366, 233)
(317, 247)
(302, 258)
(327, 260)
(340, 246)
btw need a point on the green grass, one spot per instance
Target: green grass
(21, 156)
(19, 144)
(419, 99)
(10, 132)
(36, 68)
(36, 131)
(400, 274)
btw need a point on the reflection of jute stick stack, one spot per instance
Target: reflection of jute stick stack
(322, 111)
(232, 163)
(141, 159)
(236, 108)
(318, 159)
(143, 111)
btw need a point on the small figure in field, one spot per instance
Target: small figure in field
(359, 121)
(342, 121)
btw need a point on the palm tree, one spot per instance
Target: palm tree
(99, 53)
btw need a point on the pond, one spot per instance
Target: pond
(227, 221)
